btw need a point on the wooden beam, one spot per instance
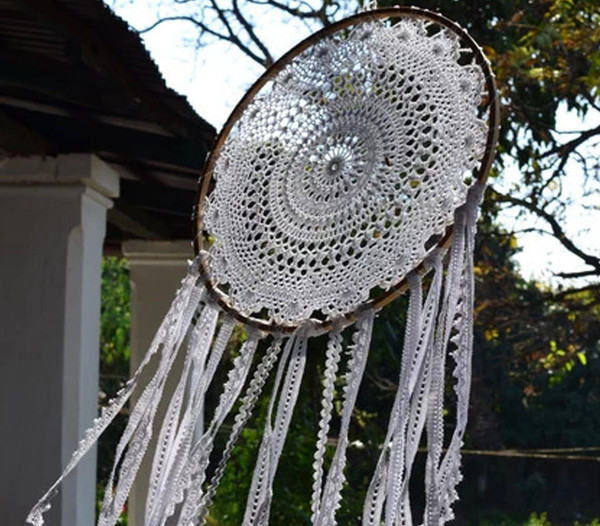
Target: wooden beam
(158, 198)
(17, 139)
(138, 223)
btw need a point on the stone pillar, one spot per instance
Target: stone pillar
(52, 226)
(156, 270)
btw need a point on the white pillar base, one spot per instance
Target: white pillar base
(52, 226)
(156, 270)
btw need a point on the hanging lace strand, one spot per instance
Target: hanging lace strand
(134, 441)
(168, 447)
(167, 340)
(448, 475)
(201, 451)
(248, 402)
(356, 367)
(261, 489)
(332, 359)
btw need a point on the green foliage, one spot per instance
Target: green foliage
(534, 519)
(537, 355)
(115, 323)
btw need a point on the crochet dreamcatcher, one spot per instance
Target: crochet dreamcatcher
(350, 173)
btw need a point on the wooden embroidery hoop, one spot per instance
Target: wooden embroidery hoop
(204, 184)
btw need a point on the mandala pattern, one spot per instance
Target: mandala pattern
(343, 168)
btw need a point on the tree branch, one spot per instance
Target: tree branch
(311, 13)
(252, 34)
(557, 230)
(590, 99)
(183, 18)
(565, 149)
(581, 274)
(234, 39)
(569, 292)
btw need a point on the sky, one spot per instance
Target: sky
(215, 77)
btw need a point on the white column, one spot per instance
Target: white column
(52, 226)
(156, 270)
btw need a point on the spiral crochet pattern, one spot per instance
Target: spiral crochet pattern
(343, 168)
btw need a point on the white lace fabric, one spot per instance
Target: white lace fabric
(342, 168)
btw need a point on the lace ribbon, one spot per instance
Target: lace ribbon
(443, 474)
(330, 501)
(261, 489)
(167, 340)
(248, 402)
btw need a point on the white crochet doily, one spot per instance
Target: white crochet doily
(342, 168)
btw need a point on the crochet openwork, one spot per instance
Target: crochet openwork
(342, 167)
